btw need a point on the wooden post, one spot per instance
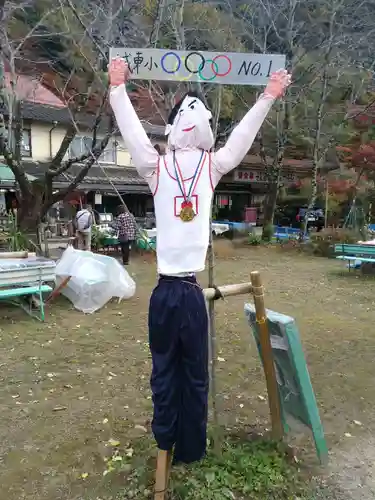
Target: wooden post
(229, 290)
(16, 255)
(163, 468)
(267, 357)
(57, 290)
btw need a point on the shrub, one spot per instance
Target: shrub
(97, 238)
(268, 232)
(322, 243)
(13, 239)
(254, 239)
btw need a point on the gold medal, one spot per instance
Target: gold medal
(187, 213)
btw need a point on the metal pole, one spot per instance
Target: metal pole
(326, 206)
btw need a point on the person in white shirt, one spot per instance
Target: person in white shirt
(182, 182)
(83, 222)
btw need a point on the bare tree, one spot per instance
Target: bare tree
(19, 51)
(313, 35)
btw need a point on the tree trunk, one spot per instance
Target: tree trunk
(269, 208)
(29, 215)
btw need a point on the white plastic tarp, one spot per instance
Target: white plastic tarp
(95, 279)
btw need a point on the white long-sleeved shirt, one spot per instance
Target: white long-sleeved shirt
(182, 246)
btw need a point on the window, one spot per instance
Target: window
(81, 145)
(109, 154)
(25, 143)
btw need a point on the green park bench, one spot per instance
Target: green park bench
(23, 295)
(355, 252)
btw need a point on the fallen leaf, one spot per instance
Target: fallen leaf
(60, 408)
(221, 360)
(84, 475)
(348, 435)
(261, 398)
(113, 442)
(140, 427)
(357, 422)
(112, 374)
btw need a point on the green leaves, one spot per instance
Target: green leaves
(251, 470)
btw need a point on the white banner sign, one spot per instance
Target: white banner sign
(229, 68)
(257, 176)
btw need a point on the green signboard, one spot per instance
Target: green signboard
(295, 390)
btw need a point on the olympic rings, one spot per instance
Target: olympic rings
(178, 63)
(201, 66)
(214, 75)
(184, 60)
(229, 65)
(189, 75)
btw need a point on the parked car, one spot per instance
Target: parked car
(315, 217)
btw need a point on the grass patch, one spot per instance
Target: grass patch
(246, 470)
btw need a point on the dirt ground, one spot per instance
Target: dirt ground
(71, 385)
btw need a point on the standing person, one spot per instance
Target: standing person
(126, 227)
(83, 222)
(182, 182)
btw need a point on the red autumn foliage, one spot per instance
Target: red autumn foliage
(359, 156)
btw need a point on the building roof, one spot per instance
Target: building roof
(40, 104)
(7, 176)
(124, 178)
(50, 114)
(31, 90)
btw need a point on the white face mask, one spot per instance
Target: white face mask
(191, 126)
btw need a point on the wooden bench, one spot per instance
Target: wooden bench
(34, 306)
(355, 252)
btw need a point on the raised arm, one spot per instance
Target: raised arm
(241, 139)
(144, 155)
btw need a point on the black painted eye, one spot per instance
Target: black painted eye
(192, 106)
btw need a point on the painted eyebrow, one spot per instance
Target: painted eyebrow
(191, 103)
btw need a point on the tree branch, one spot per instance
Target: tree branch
(94, 154)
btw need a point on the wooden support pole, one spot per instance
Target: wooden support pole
(57, 290)
(267, 356)
(228, 290)
(163, 467)
(16, 255)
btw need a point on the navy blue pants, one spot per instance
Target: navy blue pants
(178, 335)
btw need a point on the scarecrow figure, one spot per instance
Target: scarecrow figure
(182, 183)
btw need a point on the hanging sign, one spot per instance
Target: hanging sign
(245, 175)
(98, 199)
(229, 68)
